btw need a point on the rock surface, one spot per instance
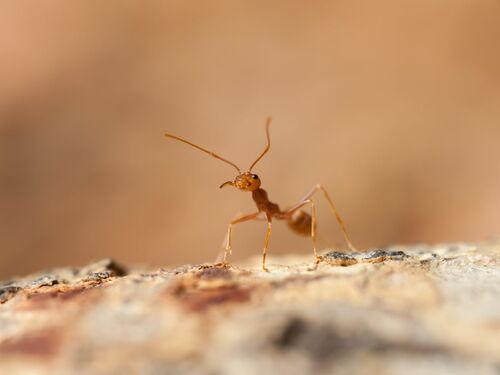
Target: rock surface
(413, 310)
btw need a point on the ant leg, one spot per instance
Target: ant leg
(290, 212)
(266, 245)
(241, 219)
(333, 209)
(313, 229)
(337, 216)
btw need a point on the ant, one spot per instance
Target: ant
(299, 221)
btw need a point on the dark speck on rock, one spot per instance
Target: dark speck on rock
(7, 292)
(320, 341)
(109, 265)
(45, 280)
(323, 341)
(99, 276)
(215, 273)
(341, 259)
(375, 256)
(397, 255)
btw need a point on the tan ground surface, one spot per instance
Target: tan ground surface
(414, 310)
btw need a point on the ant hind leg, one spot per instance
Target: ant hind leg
(337, 216)
(307, 198)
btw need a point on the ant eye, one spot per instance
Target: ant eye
(254, 176)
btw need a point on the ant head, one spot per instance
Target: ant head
(245, 181)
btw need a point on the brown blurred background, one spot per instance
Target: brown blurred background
(393, 105)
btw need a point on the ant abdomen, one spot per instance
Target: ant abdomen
(300, 222)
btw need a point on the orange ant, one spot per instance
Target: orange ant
(298, 220)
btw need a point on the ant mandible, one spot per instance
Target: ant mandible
(298, 220)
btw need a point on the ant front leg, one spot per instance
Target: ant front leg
(241, 219)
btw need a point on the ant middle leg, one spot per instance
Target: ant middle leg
(266, 244)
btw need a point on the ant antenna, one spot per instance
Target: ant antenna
(268, 122)
(213, 154)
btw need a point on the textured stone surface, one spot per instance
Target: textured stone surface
(415, 310)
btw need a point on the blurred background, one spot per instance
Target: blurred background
(393, 105)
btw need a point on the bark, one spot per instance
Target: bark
(417, 310)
